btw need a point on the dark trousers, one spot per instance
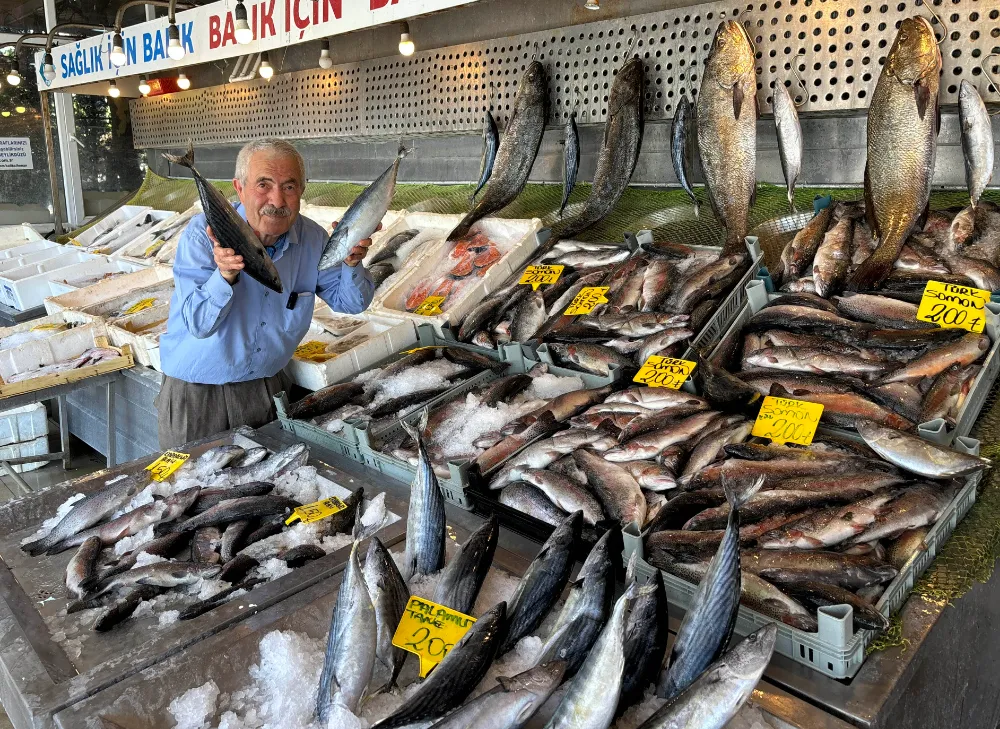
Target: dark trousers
(188, 411)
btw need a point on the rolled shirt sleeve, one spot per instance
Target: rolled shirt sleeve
(205, 296)
(346, 289)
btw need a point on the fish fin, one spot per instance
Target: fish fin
(187, 160)
(737, 99)
(870, 206)
(737, 495)
(870, 273)
(922, 94)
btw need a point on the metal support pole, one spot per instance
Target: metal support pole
(64, 433)
(50, 151)
(16, 478)
(112, 431)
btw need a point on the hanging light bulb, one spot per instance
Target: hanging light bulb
(592, 5)
(20, 109)
(48, 67)
(174, 48)
(113, 91)
(118, 50)
(144, 87)
(183, 81)
(324, 55)
(13, 77)
(406, 46)
(244, 34)
(266, 71)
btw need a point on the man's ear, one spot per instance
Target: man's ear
(239, 188)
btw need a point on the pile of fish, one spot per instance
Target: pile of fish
(92, 356)
(862, 356)
(468, 259)
(391, 256)
(958, 246)
(395, 389)
(829, 524)
(658, 299)
(599, 658)
(225, 531)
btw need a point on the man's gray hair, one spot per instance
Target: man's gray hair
(271, 146)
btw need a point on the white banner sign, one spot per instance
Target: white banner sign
(208, 34)
(15, 153)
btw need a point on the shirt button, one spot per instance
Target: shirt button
(263, 323)
(266, 293)
(258, 349)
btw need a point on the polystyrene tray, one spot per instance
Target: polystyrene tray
(106, 290)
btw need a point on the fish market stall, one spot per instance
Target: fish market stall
(57, 651)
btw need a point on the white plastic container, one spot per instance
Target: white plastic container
(12, 236)
(128, 330)
(23, 247)
(106, 290)
(79, 277)
(23, 258)
(157, 294)
(120, 216)
(22, 424)
(60, 347)
(138, 250)
(26, 287)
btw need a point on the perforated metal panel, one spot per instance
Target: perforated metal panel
(838, 47)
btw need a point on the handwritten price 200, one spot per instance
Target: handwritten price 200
(434, 647)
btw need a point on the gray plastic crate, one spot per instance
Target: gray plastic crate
(934, 430)
(347, 441)
(455, 488)
(835, 649)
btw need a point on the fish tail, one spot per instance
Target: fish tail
(734, 243)
(791, 199)
(38, 546)
(873, 271)
(184, 161)
(697, 208)
(403, 150)
(737, 494)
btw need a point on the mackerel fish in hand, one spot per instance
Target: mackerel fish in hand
(727, 130)
(903, 123)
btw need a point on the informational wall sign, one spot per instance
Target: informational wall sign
(15, 153)
(208, 33)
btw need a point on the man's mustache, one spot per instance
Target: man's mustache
(275, 212)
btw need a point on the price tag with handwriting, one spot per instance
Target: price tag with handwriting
(430, 630)
(587, 300)
(538, 275)
(430, 306)
(166, 464)
(317, 510)
(787, 421)
(664, 372)
(951, 306)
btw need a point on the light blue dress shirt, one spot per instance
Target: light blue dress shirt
(218, 334)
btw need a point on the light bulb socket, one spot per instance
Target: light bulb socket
(241, 12)
(183, 82)
(174, 48)
(244, 34)
(144, 87)
(113, 91)
(48, 67)
(117, 55)
(173, 34)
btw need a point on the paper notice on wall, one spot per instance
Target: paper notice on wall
(15, 153)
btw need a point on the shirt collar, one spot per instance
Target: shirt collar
(281, 244)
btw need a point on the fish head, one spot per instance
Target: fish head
(914, 54)
(541, 680)
(732, 53)
(749, 657)
(533, 87)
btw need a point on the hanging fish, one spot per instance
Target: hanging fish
(491, 141)
(571, 160)
(786, 121)
(680, 134)
(977, 140)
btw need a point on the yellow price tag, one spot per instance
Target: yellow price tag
(787, 421)
(47, 327)
(430, 306)
(664, 372)
(317, 510)
(310, 349)
(430, 630)
(140, 305)
(429, 346)
(538, 275)
(587, 300)
(954, 307)
(75, 242)
(166, 464)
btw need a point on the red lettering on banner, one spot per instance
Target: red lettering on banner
(335, 5)
(301, 22)
(214, 37)
(288, 16)
(229, 32)
(378, 4)
(267, 20)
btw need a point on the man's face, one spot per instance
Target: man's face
(272, 194)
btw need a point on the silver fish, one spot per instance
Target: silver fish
(363, 216)
(977, 140)
(391, 247)
(786, 122)
(462, 578)
(491, 141)
(251, 456)
(615, 488)
(680, 135)
(82, 567)
(246, 507)
(708, 624)
(645, 638)
(571, 160)
(161, 574)
(229, 227)
(389, 595)
(91, 510)
(833, 258)
(425, 521)
(564, 493)
(350, 645)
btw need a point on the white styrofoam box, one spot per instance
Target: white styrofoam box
(23, 247)
(107, 290)
(40, 328)
(387, 338)
(36, 256)
(84, 275)
(128, 232)
(327, 216)
(124, 330)
(35, 447)
(117, 307)
(316, 375)
(169, 230)
(23, 424)
(332, 321)
(519, 238)
(12, 236)
(122, 215)
(57, 348)
(26, 287)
